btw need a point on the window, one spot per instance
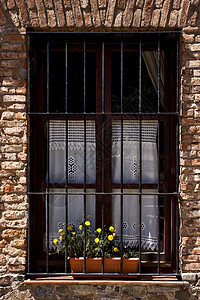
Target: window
(103, 131)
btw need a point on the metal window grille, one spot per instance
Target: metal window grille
(39, 189)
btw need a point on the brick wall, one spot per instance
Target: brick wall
(18, 15)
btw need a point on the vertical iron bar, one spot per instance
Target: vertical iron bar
(29, 152)
(158, 150)
(121, 204)
(84, 105)
(103, 111)
(177, 154)
(140, 149)
(47, 196)
(66, 153)
(177, 74)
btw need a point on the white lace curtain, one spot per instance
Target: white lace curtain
(131, 170)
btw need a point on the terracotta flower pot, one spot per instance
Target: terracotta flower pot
(111, 265)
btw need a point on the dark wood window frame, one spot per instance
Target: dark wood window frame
(38, 117)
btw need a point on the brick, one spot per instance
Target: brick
(16, 269)
(8, 189)
(51, 18)
(164, 13)
(14, 17)
(185, 4)
(118, 19)
(2, 260)
(87, 18)
(23, 12)
(59, 13)
(193, 19)
(77, 13)
(13, 215)
(84, 3)
(176, 4)
(41, 13)
(12, 148)
(3, 243)
(189, 38)
(70, 18)
(8, 55)
(137, 18)
(17, 261)
(110, 13)
(95, 13)
(10, 233)
(34, 18)
(31, 4)
(128, 13)
(3, 20)
(155, 18)
(48, 4)
(193, 64)
(158, 3)
(173, 18)
(18, 243)
(14, 98)
(13, 252)
(139, 3)
(7, 115)
(121, 4)
(67, 4)
(8, 156)
(9, 81)
(13, 198)
(16, 224)
(13, 131)
(14, 38)
(146, 15)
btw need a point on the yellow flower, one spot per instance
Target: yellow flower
(111, 228)
(73, 233)
(55, 241)
(69, 227)
(60, 238)
(98, 230)
(80, 227)
(60, 230)
(96, 240)
(87, 223)
(110, 237)
(115, 249)
(125, 246)
(62, 233)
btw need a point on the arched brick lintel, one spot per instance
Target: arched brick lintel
(101, 14)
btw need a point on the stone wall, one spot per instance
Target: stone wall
(16, 16)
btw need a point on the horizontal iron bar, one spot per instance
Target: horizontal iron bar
(103, 32)
(103, 113)
(107, 274)
(114, 194)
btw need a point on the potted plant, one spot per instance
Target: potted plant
(96, 243)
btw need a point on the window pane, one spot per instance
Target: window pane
(131, 226)
(131, 151)
(57, 210)
(57, 152)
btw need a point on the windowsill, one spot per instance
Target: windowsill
(69, 280)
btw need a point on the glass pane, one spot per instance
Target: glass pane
(131, 151)
(130, 82)
(57, 211)
(131, 226)
(57, 152)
